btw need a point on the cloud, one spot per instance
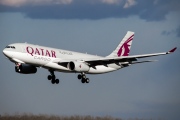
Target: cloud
(174, 31)
(18, 3)
(111, 1)
(167, 32)
(149, 10)
(12, 2)
(130, 3)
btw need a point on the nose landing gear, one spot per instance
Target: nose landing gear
(83, 78)
(52, 77)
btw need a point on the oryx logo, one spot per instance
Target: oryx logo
(125, 48)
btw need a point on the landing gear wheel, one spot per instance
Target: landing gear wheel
(87, 80)
(53, 81)
(83, 80)
(79, 76)
(57, 81)
(49, 77)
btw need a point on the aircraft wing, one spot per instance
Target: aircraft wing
(126, 59)
(122, 60)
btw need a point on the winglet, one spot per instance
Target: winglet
(171, 51)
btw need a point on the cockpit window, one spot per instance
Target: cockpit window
(10, 47)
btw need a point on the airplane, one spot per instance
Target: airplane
(27, 57)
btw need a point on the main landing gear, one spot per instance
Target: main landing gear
(83, 78)
(52, 77)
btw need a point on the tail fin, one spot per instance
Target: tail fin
(123, 49)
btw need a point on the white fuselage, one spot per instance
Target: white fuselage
(45, 57)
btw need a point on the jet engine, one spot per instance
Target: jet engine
(25, 69)
(78, 66)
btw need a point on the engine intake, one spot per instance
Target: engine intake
(26, 69)
(78, 66)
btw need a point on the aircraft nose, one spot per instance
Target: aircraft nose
(4, 52)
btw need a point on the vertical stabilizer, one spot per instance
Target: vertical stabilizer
(123, 49)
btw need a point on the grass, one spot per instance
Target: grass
(55, 117)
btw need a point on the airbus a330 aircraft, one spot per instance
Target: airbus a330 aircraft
(27, 57)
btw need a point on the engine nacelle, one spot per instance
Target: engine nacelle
(78, 66)
(25, 69)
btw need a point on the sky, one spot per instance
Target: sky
(149, 90)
